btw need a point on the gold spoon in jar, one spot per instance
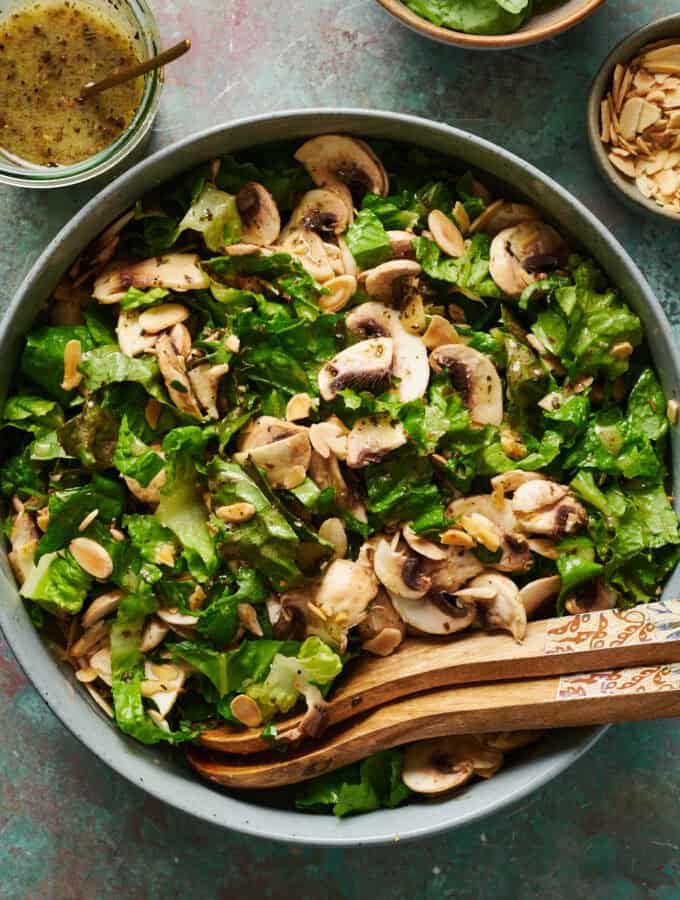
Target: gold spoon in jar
(155, 62)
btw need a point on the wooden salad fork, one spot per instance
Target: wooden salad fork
(612, 639)
(646, 692)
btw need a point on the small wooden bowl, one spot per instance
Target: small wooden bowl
(540, 27)
(668, 27)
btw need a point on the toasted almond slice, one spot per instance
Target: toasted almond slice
(456, 537)
(88, 520)
(642, 80)
(615, 126)
(622, 350)
(89, 639)
(445, 234)
(72, 355)
(645, 185)
(672, 409)
(299, 407)
(160, 318)
(87, 675)
(91, 557)
(617, 78)
(246, 710)
(630, 116)
(340, 289)
(626, 166)
(333, 531)
(621, 151)
(461, 217)
(605, 122)
(668, 180)
(236, 512)
(643, 145)
(483, 530)
(439, 332)
(649, 115)
(101, 607)
(99, 700)
(625, 87)
(663, 60)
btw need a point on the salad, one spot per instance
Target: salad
(303, 401)
(478, 16)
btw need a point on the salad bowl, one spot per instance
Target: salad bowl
(165, 775)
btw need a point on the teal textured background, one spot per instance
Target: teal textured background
(608, 829)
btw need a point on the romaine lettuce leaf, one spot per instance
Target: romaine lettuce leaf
(219, 618)
(69, 506)
(362, 787)
(469, 271)
(90, 436)
(367, 240)
(43, 357)
(134, 458)
(57, 583)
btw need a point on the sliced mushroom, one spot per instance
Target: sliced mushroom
(515, 553)
(382, 630)
(505, 610)
(435, 614)
(308, 248)
(131, 337)
(484, 504)
(594, 597)
(525, 253)
(100, 251)
(440, 332)
(205, 381)
(337, 161)
(100, 662)
(451, 573)
(508, 482)
(400, 572)
(150, 494)
(24, 538)
(260, 219)
(501, 215)
(544, 507)
(342, 598)
(507, 741)
(422, 546)
(328, 438)
(475, 378)
(325, 473)
(385, 282)
(409, 363)
(172, 616)
(174, 271)
(401, 243)
(363, 365)
(285, 462)
(175, 377)
(534, 594)
(333, 530)
(323, 211)
(163, 684)
(372, 439)
(442, 764)
(266, 430)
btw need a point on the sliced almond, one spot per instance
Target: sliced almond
(461, 217)
(664, 60)
(440, 332)
(340, 289)
(649, 115)
(617, 78)
(627, 166)
(236, 512)
(246, 710)
(91, 557)
(333, 531)
(483, 530)
(299, 407)
(456, 537)
(89, 639)
(88, 520)
(630, 116)
(605, 122)
(72, 356)
(445, 234)
(625, 87)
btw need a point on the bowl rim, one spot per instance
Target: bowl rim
(623, 52)
(521, 38)
(78, 714)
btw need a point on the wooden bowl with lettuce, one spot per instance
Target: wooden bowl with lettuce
(490, 24)
(216, 315)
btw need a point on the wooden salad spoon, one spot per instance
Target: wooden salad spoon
(155, 62)
(645, 635)
(622, 695)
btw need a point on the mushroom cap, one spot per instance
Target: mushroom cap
(362, 365)
(131, 338)
(523, 254)
(284, 462)
(323, 211)
(205, 380)
(373, 438)
(505, 609)
(336, 159)
(174, 271)
(175, 377)
(260, 219)
(545, 507)
(308, 248)
(441, 764)
(401, 573)
(475, 378)
(534, 594)
(266, 430)
(409, 363)
(381, 617)
(501, 514)
(345, 591)
(433, 615)
(401, 243)
(383, 282)
(422, 546)
(501, 215)
(451, 573)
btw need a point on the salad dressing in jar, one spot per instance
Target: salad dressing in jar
(48, 52)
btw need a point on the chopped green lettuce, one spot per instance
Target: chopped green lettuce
(367, 240)
(57, 583)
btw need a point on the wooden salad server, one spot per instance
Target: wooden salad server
(645, 635)
(595, 698)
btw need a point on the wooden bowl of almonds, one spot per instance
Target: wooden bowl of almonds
(634, 118)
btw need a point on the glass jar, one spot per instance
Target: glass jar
(136, 20)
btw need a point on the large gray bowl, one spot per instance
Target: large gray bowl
(163, 774)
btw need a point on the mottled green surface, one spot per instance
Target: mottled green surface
(608, 828)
